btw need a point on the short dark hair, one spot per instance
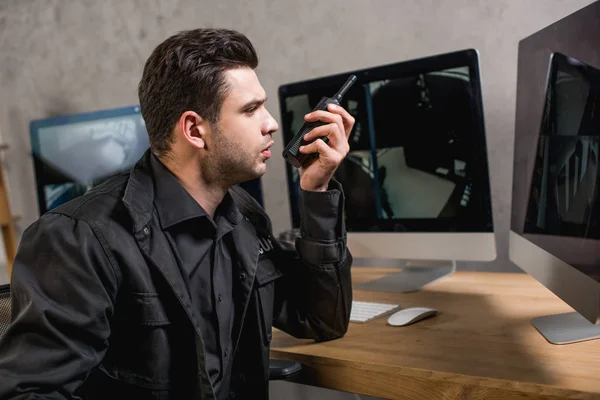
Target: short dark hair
(186, 72)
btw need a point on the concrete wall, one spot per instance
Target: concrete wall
(61, 57)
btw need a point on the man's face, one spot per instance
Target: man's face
(240, 141)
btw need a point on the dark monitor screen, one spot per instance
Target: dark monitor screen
(74, 153)
(564, 195)
(418, 157)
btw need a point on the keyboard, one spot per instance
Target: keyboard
(365, 311)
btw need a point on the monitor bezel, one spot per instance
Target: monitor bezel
(574, 36)
(555, 244)
(462, 58)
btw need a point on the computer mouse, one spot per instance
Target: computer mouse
(411, 315)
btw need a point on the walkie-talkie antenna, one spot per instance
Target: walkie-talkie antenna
(291, 152)
(338, 96)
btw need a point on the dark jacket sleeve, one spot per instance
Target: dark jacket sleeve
(314, 296)
(62, 291)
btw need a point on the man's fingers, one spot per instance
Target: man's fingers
(334, 114)
(324, 116)
(330, 136)
(336, 128)
(318, 146)
(327, 155)
(347, 119)
(331, 131)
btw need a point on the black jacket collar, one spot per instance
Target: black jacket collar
(174, 204)
(139, 193)
(139, 199)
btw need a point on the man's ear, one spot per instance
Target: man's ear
(193, 128)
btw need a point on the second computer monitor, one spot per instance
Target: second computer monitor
(74, 153)
(555, 218)
(416, 179)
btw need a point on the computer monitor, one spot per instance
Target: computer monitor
(74, 153)
(416, 179)
(555, 219)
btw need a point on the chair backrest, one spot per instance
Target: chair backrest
(4, 308)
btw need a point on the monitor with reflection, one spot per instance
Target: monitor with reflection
(416, 179)
(74, 153)
(555, 221)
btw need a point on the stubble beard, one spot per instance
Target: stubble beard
(229, 162)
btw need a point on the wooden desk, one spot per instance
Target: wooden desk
(480, 346)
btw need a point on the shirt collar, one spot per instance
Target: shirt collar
(174, 204)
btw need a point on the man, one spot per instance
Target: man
(164, 283)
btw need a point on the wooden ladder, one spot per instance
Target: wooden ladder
(7, 221)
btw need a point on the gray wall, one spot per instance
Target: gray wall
(60, 57)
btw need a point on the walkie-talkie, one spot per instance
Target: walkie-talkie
(291, 152)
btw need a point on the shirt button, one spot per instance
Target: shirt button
(226, 353)
(220, 298)
(243, 276)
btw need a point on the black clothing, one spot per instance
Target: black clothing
(102, 308)
(206, 264)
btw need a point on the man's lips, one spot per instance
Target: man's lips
(267, 150)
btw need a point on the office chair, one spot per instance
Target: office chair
(283, 369)
(4, 308)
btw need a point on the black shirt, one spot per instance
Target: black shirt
(202, 251)
(202, 248)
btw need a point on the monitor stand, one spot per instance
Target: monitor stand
(566, 328)
(411, 278)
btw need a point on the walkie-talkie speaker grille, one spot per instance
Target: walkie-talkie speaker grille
(4, 308)
(295, 148)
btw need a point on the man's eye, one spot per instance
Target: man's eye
(250, 110)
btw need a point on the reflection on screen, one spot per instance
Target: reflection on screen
(411, 149)
(72, 157)
(75, 157)
(564, 191)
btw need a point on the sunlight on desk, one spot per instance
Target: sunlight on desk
(481, 345)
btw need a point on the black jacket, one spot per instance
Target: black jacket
(100, 308)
